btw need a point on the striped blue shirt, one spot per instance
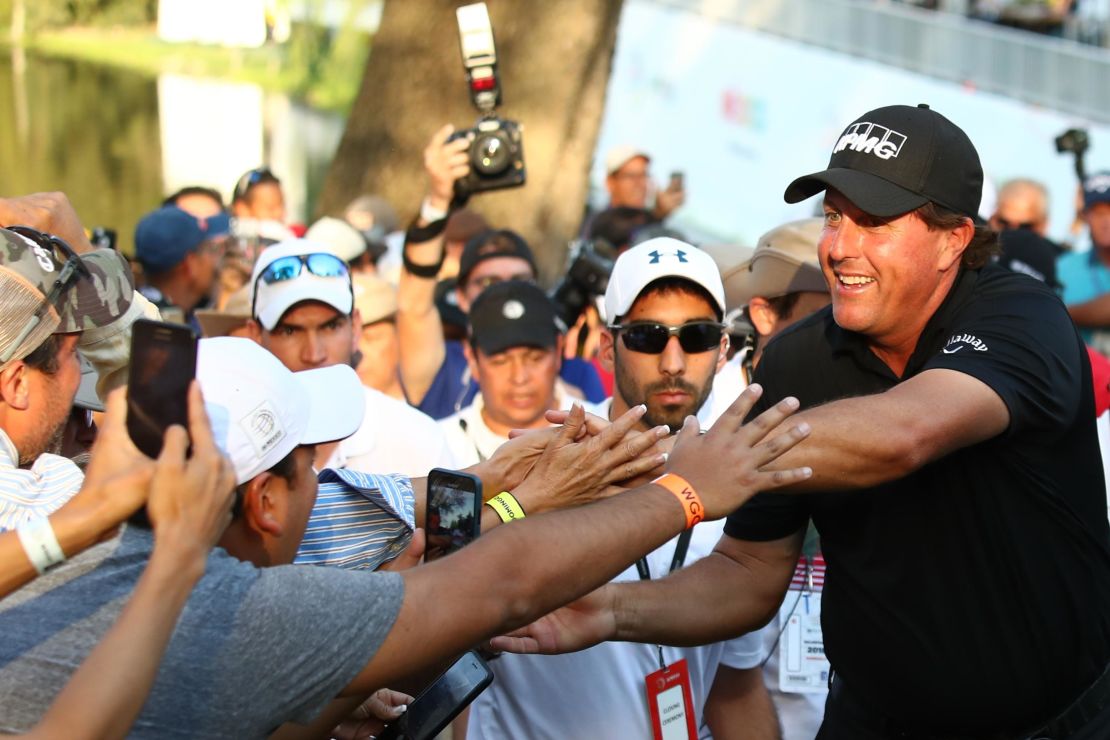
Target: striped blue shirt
(360, 520)
(30, 494)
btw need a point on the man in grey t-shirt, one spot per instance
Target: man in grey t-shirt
(258, 647)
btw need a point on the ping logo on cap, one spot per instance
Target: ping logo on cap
(871, 138)
(263, 428)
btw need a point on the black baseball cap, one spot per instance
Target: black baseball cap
(489, 244)
(892, 160)
(513, 314)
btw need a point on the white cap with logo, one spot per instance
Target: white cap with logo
(272, 300)
(654, 259)
(260, 410)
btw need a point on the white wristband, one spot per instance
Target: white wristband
(431, 214)
(40, 544)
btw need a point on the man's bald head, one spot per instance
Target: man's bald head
(1022, 204)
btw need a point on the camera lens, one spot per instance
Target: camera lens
(490, 153)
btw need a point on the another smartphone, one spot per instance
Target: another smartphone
(454, 512)
(678, 181)
(442, 701)
(163, 363)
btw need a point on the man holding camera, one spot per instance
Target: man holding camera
(433, 370)
(957, 483)
(664, 344)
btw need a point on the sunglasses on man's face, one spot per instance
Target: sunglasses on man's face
(651, 337)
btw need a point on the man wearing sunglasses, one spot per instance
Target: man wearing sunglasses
(664, 343)
(1022, 204)
(957, 484)
(303, 311)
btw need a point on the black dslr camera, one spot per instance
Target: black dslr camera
(1076, 141)
(590, 263)
(496, 146)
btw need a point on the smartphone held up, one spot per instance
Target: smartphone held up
(163, 364)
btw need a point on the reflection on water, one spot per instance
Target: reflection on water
(116, 142)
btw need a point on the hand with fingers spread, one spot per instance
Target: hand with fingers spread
(444, 163)
(724, 465)
(191, 498)
(576, 468)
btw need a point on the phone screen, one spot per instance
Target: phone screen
(441, 702)
(454, 512)
(677, 181)
(163, 362)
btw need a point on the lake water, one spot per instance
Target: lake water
(117, 142)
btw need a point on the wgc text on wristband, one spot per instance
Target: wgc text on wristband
(686, 495)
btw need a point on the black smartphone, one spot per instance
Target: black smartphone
(454, 513)
(442, 701)
(163, 363)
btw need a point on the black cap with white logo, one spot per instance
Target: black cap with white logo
(513, 314)
(892, 160)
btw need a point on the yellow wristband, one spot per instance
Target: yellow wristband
(506, 506)
(686, 495)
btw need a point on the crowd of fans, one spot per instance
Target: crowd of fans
(263, 576)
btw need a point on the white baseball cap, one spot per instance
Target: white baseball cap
(619, 156)
(260, 410)
(654, 259)
(344, 239)
(271, 300)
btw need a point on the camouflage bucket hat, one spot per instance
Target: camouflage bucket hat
(29, 268)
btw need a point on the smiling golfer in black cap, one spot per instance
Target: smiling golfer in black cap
(957, 482)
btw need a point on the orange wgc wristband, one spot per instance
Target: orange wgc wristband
(686, 496)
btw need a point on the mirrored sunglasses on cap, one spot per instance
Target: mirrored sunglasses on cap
(651, 337)
(320, 264)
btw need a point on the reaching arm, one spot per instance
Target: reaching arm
(739, 706)
(1094, 313)
(189, 507)
(518, 572)
(868, 440)
(419, 331)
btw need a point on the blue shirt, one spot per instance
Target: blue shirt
(1084, 277)
(359, 520)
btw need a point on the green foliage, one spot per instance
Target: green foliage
(45, 15)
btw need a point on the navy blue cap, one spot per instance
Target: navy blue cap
(1096, 189)
(165, 236)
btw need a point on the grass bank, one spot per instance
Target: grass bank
(315, 66)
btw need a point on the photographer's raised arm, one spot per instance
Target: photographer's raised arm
(518, 572)
(419, 332)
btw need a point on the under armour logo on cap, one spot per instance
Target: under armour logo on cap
(656, 255)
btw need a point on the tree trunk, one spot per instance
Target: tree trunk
(554, 60)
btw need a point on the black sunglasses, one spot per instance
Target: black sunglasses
(651, 337)
(72, 269)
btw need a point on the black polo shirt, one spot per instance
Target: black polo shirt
(974, 593)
